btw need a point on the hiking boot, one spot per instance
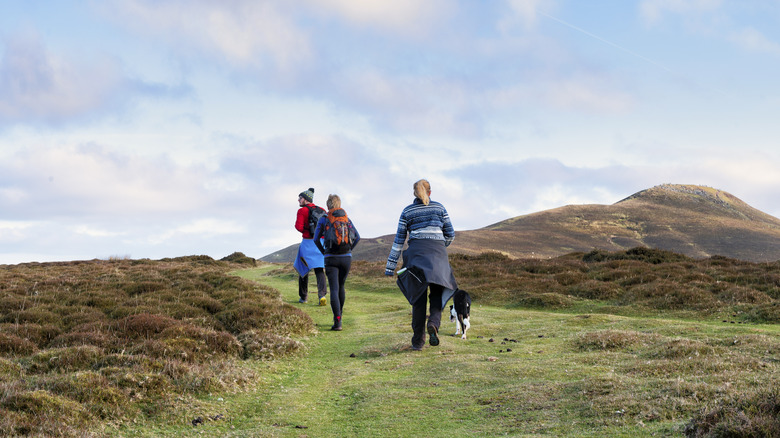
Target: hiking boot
(336, 324)
(323, 301)
(434, 335)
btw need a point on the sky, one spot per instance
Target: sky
(165, 128)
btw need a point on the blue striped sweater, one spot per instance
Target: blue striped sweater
(420, 221)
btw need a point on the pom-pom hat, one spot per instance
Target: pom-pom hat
(308, 195)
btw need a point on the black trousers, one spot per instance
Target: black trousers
(337, 269)
(303, 284)
(418, 314)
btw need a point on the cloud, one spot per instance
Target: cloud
(654, 10)
(13, 231)
(526, 12)
(91, 231)
(401, 17)
(495, 191)
(88, 179)
(200, 228)
(426, 104)
(39, 86)
(753, 40)
(580, 92)
(253, 35)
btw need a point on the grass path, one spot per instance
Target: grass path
(365, 381)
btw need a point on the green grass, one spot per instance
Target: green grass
(567, 374)
(640, 343)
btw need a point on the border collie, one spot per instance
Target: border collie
(460, 311)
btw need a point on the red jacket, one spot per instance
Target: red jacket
(302, 221)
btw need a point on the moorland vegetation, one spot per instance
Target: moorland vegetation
(88, 346)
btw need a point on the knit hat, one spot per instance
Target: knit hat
(308, 195)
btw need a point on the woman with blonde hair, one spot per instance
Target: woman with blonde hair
(339, 237)
(426, 265)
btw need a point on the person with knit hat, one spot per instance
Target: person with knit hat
(309, 257)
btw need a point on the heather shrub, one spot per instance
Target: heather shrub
(38, 334)
(767, 312)
(127, 309)
(34, 315)
(203, 301)
(669, 295)
(540, 284)
(93, 390)
(647, 255)
(570, 278)
(10, 371)
(142, 325)
(77, 338)
(743, 295)
(78, 315)
(245, 314)
(144, 287)
(240, 258)
(14, 423)
(11, 302)
(181, 311)
(543, 300)
(197, 343)
(12, 345)
(242, 315)
(484, 257)
(40, 410)
(596, 290)
(137, 383)
(68, 359)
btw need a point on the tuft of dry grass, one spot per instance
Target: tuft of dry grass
(612, 340)
(756, 414)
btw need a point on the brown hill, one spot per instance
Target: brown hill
(692, 220)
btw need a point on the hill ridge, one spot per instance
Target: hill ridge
(693, 220)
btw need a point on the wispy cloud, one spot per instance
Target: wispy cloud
(753, 40)
(244, 34)
(39, 86)
(654, 11)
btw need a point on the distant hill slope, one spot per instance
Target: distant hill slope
(687, 219)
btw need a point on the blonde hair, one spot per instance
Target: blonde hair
(422, 191)
(334, 202)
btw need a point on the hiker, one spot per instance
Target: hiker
(309, 257)
(339, 237)
(425, 262)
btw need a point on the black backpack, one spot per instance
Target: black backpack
(315, 213)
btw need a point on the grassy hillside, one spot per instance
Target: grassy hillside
(85, 345)
(692, 220)
(632, 343)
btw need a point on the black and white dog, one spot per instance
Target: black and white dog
(460, 311)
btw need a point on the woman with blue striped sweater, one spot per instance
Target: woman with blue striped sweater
(427, 226)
